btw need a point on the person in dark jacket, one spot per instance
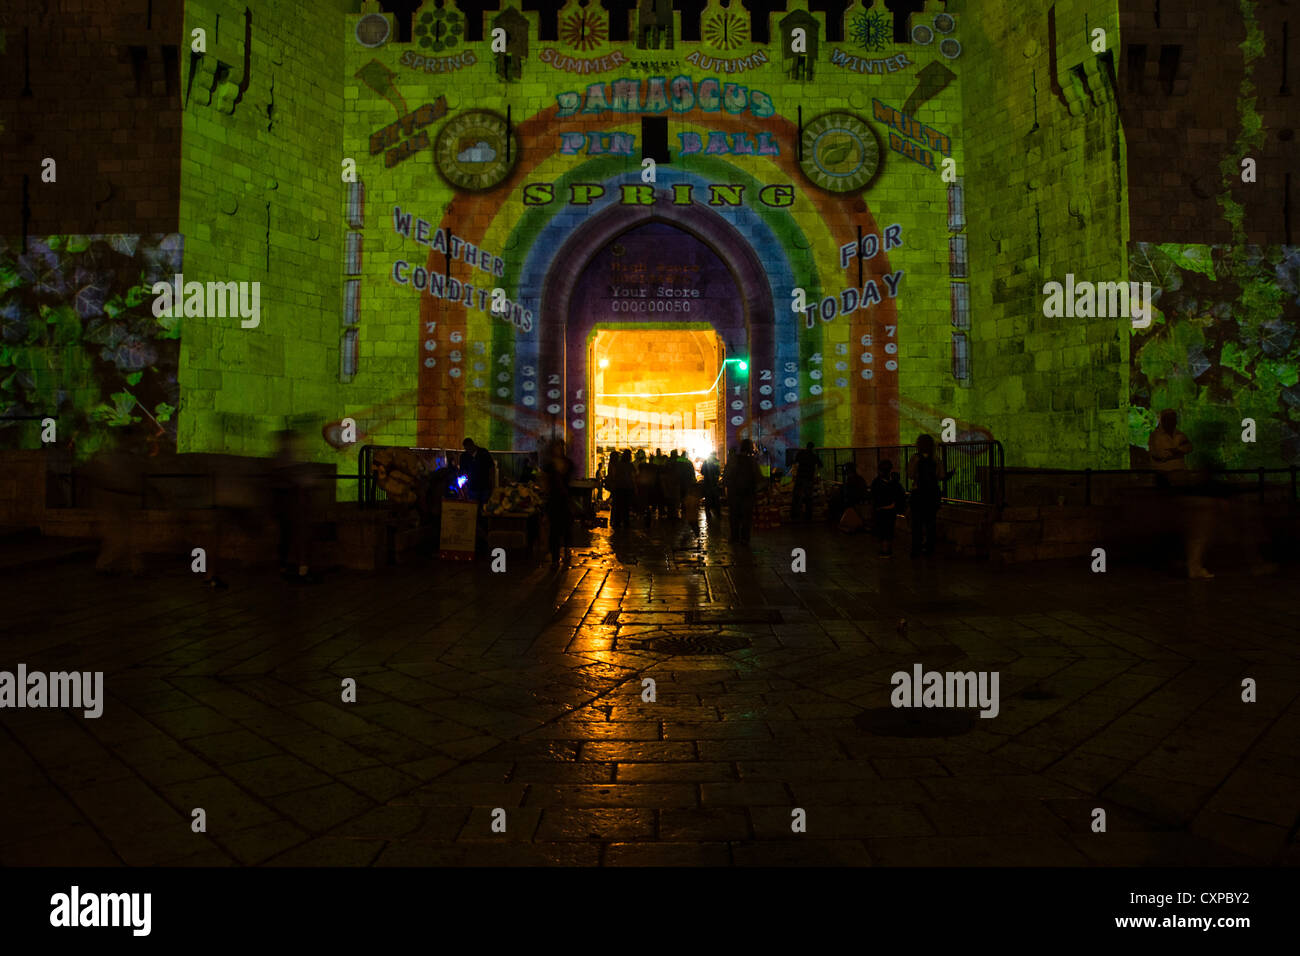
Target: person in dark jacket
(926, 475)
(805, 477)
(622, 476)
(742, 478)
(476, 468)
(556, 475)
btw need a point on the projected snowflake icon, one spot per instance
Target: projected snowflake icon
(872, 31)
(440, 29)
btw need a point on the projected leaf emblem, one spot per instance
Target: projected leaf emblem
(838, 151)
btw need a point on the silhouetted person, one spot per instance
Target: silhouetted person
(557, 473)
(690, 491)
(670, 482)
(622, 476)
(887, 501)
(710, 476)
(742, 478)
(528, 471)
(806, 464)
(476, 468)
(926, 475)
(647, 486)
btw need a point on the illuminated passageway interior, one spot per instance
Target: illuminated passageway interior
(657, 388)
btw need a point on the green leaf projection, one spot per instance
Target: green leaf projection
(79, 340)
(1223, 346)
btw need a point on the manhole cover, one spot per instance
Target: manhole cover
(695, 644)
(916, 721)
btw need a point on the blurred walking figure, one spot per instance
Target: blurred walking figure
(854, 496)
(1168, 446)
(117, 478)
(291, 503)
(240, 511)
(710, 476)
(887, 501)
(1169, 449)
(926, 476)
(557, 473)
(806, 465)
(742, 479)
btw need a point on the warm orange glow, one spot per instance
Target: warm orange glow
(657, 389)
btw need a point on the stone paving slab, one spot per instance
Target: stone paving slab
(480, 695)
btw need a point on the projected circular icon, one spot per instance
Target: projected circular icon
(474, 151)
(372, 30)
(840, 152)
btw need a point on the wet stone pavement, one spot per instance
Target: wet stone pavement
(524, 691)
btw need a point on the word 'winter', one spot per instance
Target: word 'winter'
(243, 299)
(949, 689)
(103, 909)
(57, 689)
(1103, 300)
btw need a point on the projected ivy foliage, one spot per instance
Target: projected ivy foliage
(1224, 345)
(79, 340)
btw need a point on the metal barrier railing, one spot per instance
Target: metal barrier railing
(152, 499)
(506, 466)
(1263, 477)
(977, 467)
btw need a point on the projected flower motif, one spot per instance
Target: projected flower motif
(726, 31)
(872, 31)
(440, 29)
(583, 30)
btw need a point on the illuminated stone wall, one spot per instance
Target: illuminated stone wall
(427, 121)
(262, 201)
(437, 227)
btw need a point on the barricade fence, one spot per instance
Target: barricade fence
(977, 467)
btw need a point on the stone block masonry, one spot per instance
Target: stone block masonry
(1046, 197)
(263, 200)
(97, 89)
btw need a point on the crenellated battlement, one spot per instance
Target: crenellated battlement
(587, 31)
